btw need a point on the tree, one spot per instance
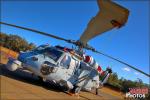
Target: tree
(15, 42)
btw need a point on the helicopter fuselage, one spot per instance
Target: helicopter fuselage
(59, 66)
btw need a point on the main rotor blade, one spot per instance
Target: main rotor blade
(36, 31)
(123, 63)
(111, 15)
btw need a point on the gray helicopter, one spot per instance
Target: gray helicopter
(72, 69)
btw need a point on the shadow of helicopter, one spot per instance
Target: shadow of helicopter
(28, 78)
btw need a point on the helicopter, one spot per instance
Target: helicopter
(71, 68)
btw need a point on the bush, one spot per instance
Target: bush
(124, 84)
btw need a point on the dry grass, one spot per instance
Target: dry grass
(5, 54)
(113, 92)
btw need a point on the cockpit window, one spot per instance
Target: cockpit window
(41, 47)
(65, 62)
(51, 53)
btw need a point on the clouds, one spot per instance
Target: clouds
(126, 69)
(138, 74)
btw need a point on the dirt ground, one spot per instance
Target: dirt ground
(21, 85)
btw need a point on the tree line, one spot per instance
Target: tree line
(15, 42)
(123, 84)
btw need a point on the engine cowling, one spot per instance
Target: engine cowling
(13, 64)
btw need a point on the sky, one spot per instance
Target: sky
(68, 19)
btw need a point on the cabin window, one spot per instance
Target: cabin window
(53, 54)
(66, 61)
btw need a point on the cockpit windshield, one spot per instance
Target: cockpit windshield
(51, 53)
